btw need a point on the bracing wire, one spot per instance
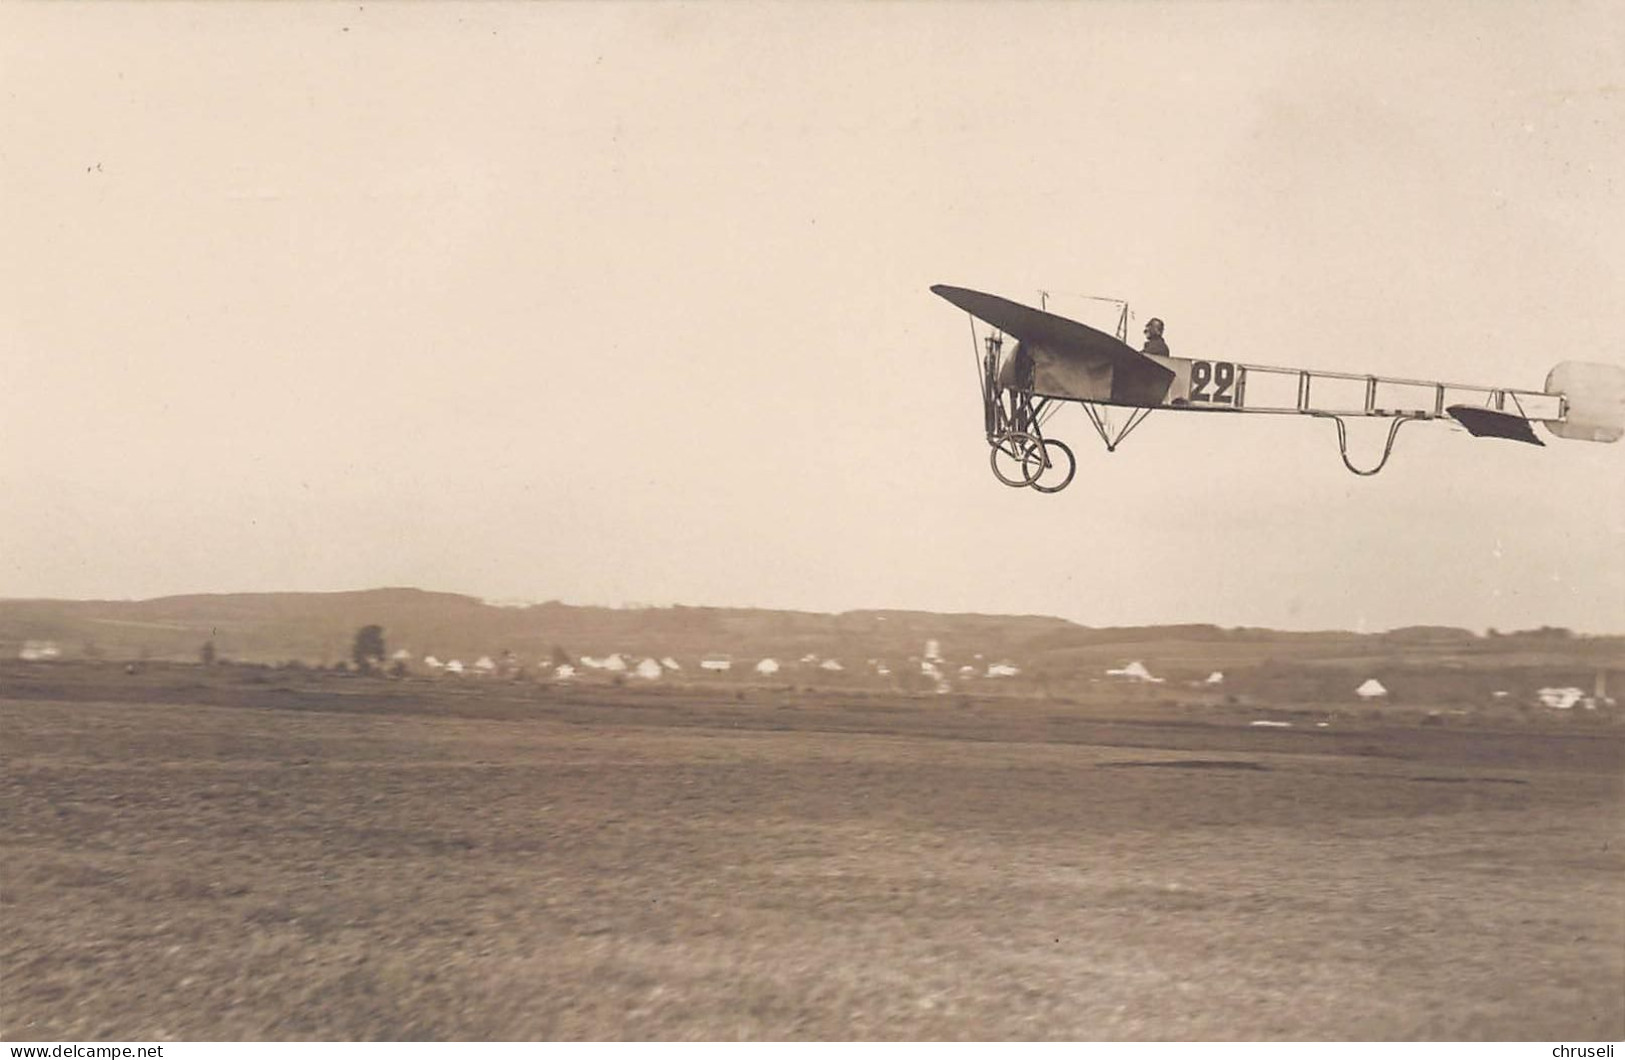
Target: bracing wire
(1110, 435)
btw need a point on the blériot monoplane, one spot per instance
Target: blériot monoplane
(1056, 360)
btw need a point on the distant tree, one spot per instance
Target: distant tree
(207, 653)
(368, 649)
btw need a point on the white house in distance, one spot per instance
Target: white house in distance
(1002, 669)
(1559, 698)
(432, 663)
(669, 663)
(1372, 689)
(717, 663)
(38, 650)
(767, 666)
(484, 665)
(931, 670)
(649, 670)
(1135, 671)
(1214, 678)
(831, 664)
(455, 666)
(564, 672)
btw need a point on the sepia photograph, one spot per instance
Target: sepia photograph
(818, 521)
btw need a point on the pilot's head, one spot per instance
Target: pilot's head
(1153, 328)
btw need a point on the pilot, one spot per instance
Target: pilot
(1153, 338)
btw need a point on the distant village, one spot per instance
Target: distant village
(929, 671)
(929, 664)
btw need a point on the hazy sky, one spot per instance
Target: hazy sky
(628, 302)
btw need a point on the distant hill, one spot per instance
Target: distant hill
(319, 627)
(1052, 653)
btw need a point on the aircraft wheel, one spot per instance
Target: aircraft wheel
(1010, 459)
(1052, 465)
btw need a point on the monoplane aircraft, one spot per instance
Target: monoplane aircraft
(1056, 360)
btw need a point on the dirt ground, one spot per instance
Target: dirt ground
(371, 861)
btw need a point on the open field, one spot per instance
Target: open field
(339, 859)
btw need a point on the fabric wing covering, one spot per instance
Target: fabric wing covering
(1069, 360)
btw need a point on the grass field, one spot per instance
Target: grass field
(351, 859)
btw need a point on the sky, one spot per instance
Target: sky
(628, 303)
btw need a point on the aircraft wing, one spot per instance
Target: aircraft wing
(1071, 360)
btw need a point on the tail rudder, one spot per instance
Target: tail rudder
(1593, 401)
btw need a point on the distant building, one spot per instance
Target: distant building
(455, 666)
(38, 650)
(564, 671)
(717, 663)
(432, 663)
(1135, 671)
(484, 665)
(1372, 689)
(669, 663)
(1560, 698)
(1214, 678)
(768, 666)
(649, 670)
(831, 664)
(1002, 669)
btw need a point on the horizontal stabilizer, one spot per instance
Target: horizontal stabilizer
(1489, 423)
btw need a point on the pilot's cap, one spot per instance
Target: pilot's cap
(1153, 326)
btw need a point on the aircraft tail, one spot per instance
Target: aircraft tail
(1593, 401)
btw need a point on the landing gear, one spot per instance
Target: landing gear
(1012, 457)
(1019, 453)
(1052, 465)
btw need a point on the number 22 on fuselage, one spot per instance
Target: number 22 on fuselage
(1204, 384)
